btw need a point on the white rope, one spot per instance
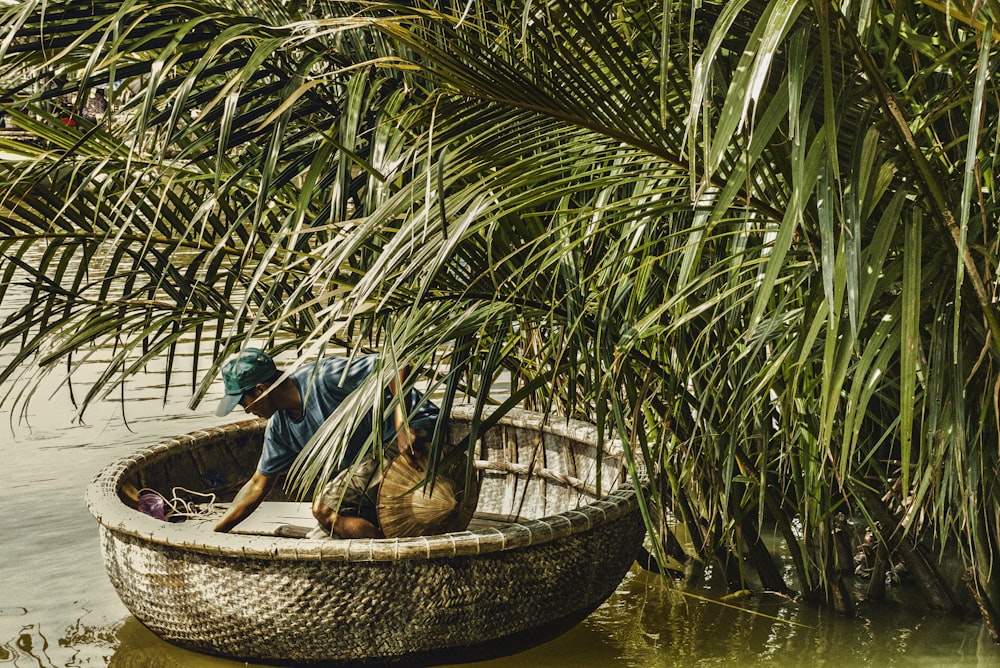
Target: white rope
(181, 507)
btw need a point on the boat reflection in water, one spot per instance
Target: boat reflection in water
(645, 623)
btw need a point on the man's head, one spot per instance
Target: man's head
(242, 375)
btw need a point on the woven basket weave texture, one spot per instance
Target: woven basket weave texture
(262, 598)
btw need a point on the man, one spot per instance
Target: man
(296, 405)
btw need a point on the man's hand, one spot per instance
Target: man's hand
(410, 448)
(405, 438)
(247, 499)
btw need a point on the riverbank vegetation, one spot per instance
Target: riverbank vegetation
(755, 240)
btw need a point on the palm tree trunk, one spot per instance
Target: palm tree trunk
(938, 594)
(761, 559)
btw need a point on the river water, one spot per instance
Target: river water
(58, 608)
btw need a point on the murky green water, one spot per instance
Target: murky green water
(57, 607)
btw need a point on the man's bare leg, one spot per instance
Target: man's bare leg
(343, 525)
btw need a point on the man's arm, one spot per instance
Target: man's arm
(404, 435)
(247, 499)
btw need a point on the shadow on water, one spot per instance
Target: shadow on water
(645, 623)
(140, 648)
(129, 644)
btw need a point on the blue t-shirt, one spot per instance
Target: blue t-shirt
(322, 392)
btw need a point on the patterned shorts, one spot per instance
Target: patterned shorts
(354, 491)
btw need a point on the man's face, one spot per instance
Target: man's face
(258, 403)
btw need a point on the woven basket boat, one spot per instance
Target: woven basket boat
(546, 547)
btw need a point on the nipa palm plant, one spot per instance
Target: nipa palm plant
(755, 240)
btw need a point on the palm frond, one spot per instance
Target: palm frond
(751, 239)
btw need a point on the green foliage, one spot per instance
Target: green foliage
(752, 239)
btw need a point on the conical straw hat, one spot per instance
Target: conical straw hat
(406, 509)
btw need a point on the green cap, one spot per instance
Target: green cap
(242, 372)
